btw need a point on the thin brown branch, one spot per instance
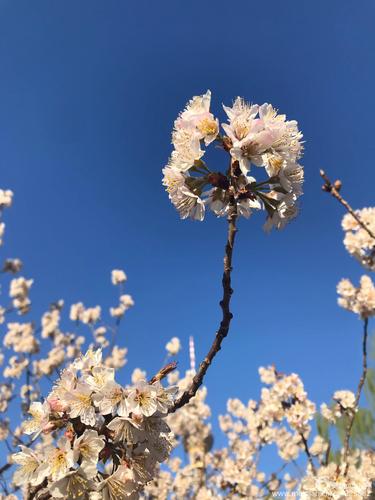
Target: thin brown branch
(5, 467)
(327, 453)
(308, 454)
(163, 372)
(226, 315)
(334, 190)
(361, 383)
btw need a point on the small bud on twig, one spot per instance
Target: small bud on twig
(163, 372)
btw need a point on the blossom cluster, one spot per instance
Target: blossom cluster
(282, 418)
(99, 426)
(254, 135)
(357, 240)
(90, 437)
(359, 300)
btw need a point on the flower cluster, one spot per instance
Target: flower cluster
(254, 135)
(282, 419)
(359, 300)
(99, 426)
(331, 483)
(357, 240)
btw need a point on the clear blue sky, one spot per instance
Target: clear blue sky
(88, 94)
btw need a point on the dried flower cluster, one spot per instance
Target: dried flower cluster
(255, 135)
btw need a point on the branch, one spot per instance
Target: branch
(226, 315)
(163, 372)
(357, 397)
(308, 454)
(334, 190)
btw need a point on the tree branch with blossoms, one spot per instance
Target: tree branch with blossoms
(96, 439)
(334, 189)
(255, 135)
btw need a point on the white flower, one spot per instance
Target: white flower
(81, 404)
(111, 399)
(257, 130)
(164, 397)
(127, 430)
(187, 149)
(138, 375)
(267, 375)
(286, 211)
(91, 315)
(117, 358)
(19, 291)
(118, 276)
(87, 447)
(346, 399)
(39, 418)
(118, 486)
(173, 346)
(32, 471)
(142, 399)
(60, 459)
(186, 202)
(6, 198)
(242, 129)
(126, 301)
(20, 337)
(74, 486)
(197, 116)
(89, 360)
(358, 241)
(99, 377)
(66, 383)
(359, 300)
(76, 311)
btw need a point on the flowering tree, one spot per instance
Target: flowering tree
(84, 435)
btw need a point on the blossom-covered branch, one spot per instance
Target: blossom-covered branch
(334, 190)
(255, 135)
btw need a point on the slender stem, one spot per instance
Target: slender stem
(330, 188)
(308, 454)
(357, 397)
(226, 315)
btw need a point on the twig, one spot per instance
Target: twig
(334, 190)
(308, 454)
(357, 397)
(226, 315)
(163, 372)
(328, 451)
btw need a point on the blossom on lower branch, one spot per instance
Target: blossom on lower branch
(255, 135)
(107, 440)
(358, 241)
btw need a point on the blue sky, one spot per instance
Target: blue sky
(88, 94)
